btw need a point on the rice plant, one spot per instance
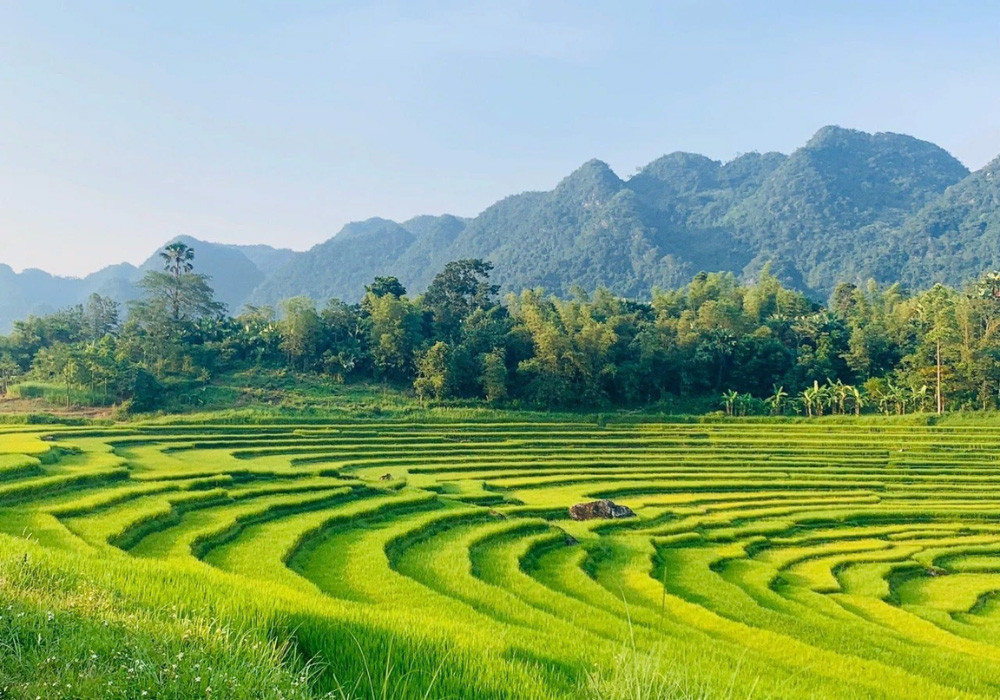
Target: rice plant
(434, 557)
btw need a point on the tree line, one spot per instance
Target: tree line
(744, 348)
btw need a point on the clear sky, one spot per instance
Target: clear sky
(125, 123)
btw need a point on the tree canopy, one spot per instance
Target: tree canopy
(759, 347)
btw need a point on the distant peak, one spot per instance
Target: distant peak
(684, 158)
(838, 135)
(832, 134)
(596, 166)
(190, 241)
(674, 164)
(375, 223)
(433, 218)
(593, 176)
(756, 156)
(375, 226)
(425, 225)
(992, 169)
(899, 153)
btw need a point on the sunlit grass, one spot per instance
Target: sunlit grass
(431, 556)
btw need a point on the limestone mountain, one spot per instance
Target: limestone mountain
(832, 210)
(846, 206)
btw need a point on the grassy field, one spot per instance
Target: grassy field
(432, 556)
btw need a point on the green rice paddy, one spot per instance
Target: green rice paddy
(436, 559)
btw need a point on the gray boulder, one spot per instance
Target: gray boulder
(600, 510)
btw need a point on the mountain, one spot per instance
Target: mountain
(846, 206)
(235, 270)
(957, 235)
(434, 236)
(341, 266)
(234, 274)
(414, 251)
(830, 208)
(591, 230)
(833, 210)
(37, 292)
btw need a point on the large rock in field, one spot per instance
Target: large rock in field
(600, 510)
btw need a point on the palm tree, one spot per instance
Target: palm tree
(729, 400)
(776, 400)
(178, 258)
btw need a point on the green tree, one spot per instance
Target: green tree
(176, 314)
(857, 399)
(571, 356)
(9, 371)
(143, 390)
(255, 338)
(837, 393)
(102, 316)
(460, 289)
(58, 363)
(379, 288)
(301, 332)
(494, 376)
(178, 261)
(102, 365)
(395, 334)
(386, 286)
(346, 335)
(176, 300)
(936, 311)
(434, 372)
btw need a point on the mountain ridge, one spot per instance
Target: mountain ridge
(846, 206)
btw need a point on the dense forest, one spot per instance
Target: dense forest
(845, 207)
(742, 348)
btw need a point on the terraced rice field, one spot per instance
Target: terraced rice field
(768, 560)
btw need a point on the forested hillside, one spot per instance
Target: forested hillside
(847, 206)
(750, 348)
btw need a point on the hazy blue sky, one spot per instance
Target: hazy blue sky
(125, 123)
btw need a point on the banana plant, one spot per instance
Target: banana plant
(729, 400)
(810, 398)
(777, 399)
(838, 393)
(858, 399)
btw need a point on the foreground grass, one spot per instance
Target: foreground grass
(639, 676)
(64, 636)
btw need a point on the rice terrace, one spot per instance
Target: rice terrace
(436, 558)
(485, 350)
